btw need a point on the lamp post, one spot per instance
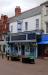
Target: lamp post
(8, 44)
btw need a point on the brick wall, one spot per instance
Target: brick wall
(4, 25)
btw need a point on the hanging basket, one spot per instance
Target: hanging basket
(34, 45)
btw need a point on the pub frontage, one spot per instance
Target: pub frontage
(24, 44)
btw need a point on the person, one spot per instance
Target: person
(2, 54)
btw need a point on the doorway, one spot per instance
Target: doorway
(22, 49)
(40, 51)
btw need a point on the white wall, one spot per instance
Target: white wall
(31, 24)
(43, 14)
(14, 24)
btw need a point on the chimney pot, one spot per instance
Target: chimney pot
(17, 11)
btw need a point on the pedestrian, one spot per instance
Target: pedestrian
(2, 54)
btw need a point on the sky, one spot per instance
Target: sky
(7, 7)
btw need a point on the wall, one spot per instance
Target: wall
(43, 23)
(4, 26)
(31, 24)
(14, 24)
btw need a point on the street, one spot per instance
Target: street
(18, 68)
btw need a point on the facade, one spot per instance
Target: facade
(35, 19)
(23, 44)
(4, 28)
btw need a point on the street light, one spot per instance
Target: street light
(8, 43)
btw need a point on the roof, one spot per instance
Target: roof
(26, 14)
(45, 3)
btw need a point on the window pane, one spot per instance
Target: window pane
(46, 27)
(31, 36)
(19, 26)
(26, 25)
(37, 23)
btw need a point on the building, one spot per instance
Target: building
(4, 28)
(33, 20)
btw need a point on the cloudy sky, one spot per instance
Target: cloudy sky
(8, 6)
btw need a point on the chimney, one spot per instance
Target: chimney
(17, 11)
(4, 17)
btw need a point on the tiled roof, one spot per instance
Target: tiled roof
(26, 14)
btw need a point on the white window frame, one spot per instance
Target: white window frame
(37, 23)
(19, 26)
(26, 26)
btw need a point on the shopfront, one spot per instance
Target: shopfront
(24, 43)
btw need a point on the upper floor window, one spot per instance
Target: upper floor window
(46, 10)
(46, 27)
(37, 23)
(11, 28)
(19, 26)
(26, 25)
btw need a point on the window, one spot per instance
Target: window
(5, 26)
(19, 26)
(47, 10)
(11, 28)
(26, 25)
(31, 36)
(46, 27)
(37, 23)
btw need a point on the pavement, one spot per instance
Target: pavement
(18, 68)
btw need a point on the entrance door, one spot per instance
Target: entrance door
(22, 49)
(40, 51)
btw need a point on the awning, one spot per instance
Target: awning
(44, 39)
(43, 42)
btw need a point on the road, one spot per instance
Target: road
(18, 68)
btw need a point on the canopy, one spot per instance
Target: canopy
(44, 39)
(43, 42)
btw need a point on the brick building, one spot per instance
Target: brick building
(4, 28)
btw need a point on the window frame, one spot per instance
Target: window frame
(37, 23)
(26, 26)
(19, 26)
